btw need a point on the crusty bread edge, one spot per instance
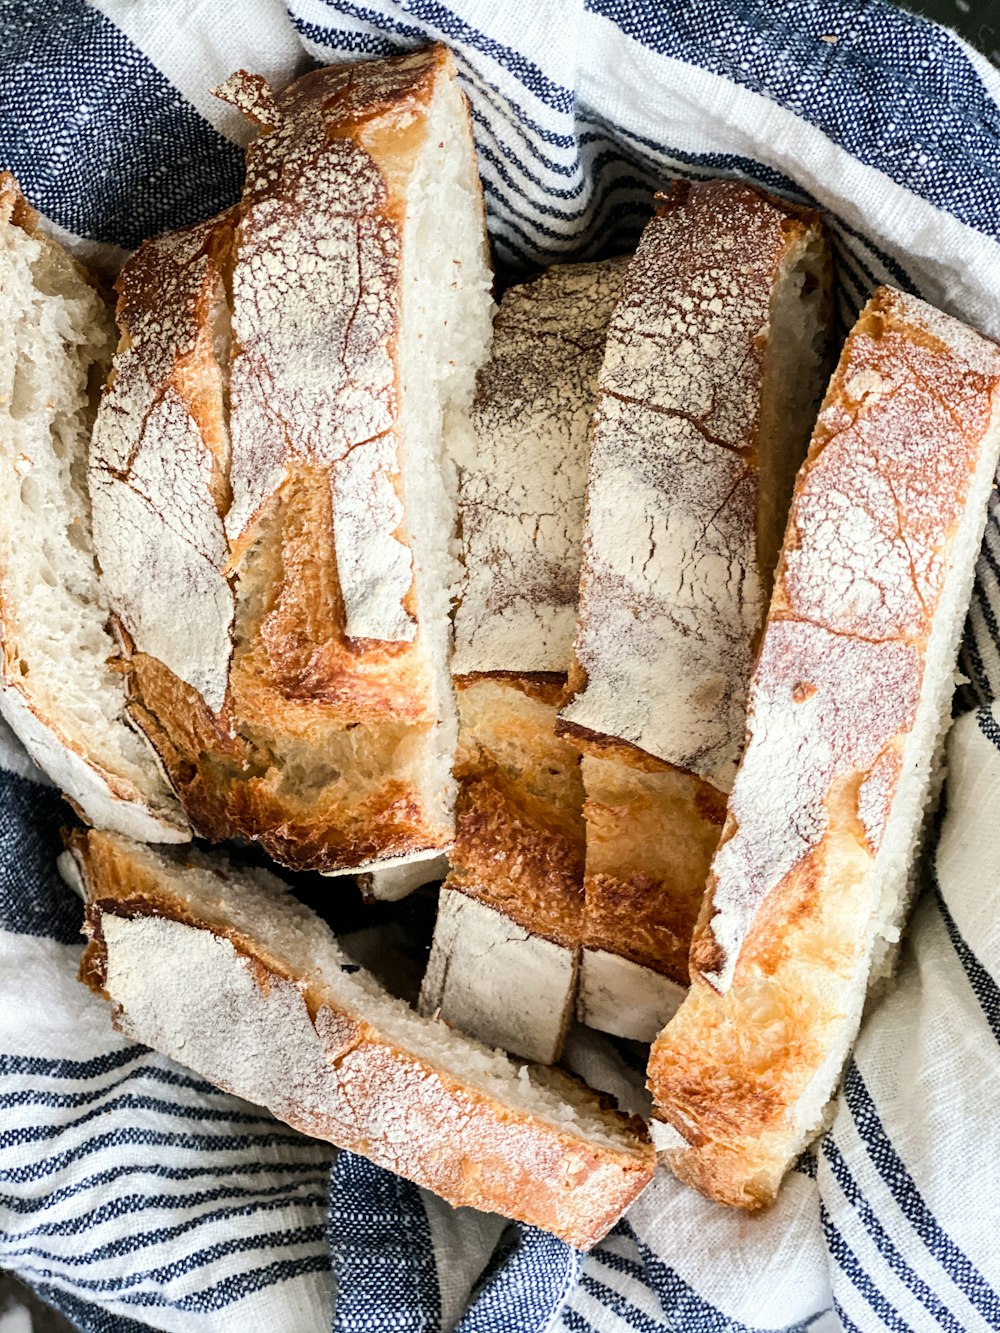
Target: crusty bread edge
(583, 1191)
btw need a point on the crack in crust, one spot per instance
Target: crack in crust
(671, 594)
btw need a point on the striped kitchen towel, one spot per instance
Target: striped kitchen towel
(132, 1194)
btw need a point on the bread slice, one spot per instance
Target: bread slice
(298, 470)
(59, 688)
(848, 707)
(503, 963)
(712, 374)
(225, 971)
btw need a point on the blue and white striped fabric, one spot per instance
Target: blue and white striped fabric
(133, 1195)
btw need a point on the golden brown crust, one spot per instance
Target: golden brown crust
(651, 832)
(784, 945)
(519, 843)
(602, 746)
(403, 1109)
(548, 687)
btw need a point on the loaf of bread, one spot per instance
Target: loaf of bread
(847, 710)
(273, 505)
(714, 366)
(503, 964)
(224, 970)
(60, 691)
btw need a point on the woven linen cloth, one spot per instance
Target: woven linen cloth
(134, 1195)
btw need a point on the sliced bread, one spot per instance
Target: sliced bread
(300, 357)
(848, 707)
(61, 691)
(225, 971)
(503, 964)
(713, 370)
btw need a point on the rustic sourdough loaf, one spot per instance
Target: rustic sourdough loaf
(271, 451)
(713, 370)
(504, 959)
(848, 706)
(59, 690)
(224, 970)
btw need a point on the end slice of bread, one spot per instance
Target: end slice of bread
(224, 970)
(60, 689)
(848, 708)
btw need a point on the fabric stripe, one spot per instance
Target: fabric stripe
(985, 989)
(33, 898)
(866, 1214)
(383, 1256)
(125, 156)
(847, 1261)
(526, 1286)
(273, 1195)
(680, 1301)
(947, 137)
(99, 1180)
(437, 21)
(890, 1166)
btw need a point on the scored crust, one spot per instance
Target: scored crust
(848, 703)
(310, 714)
(223, 970)
(158, 512)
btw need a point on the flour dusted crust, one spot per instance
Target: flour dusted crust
(160, 457)
(849, 699)
(500, 982)
(522, 466)
(624, 998)
(514, 893)
(683, 494)
(389, 881)
(297, 696)
(223, 970)
(318, 267)
(672, 592)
